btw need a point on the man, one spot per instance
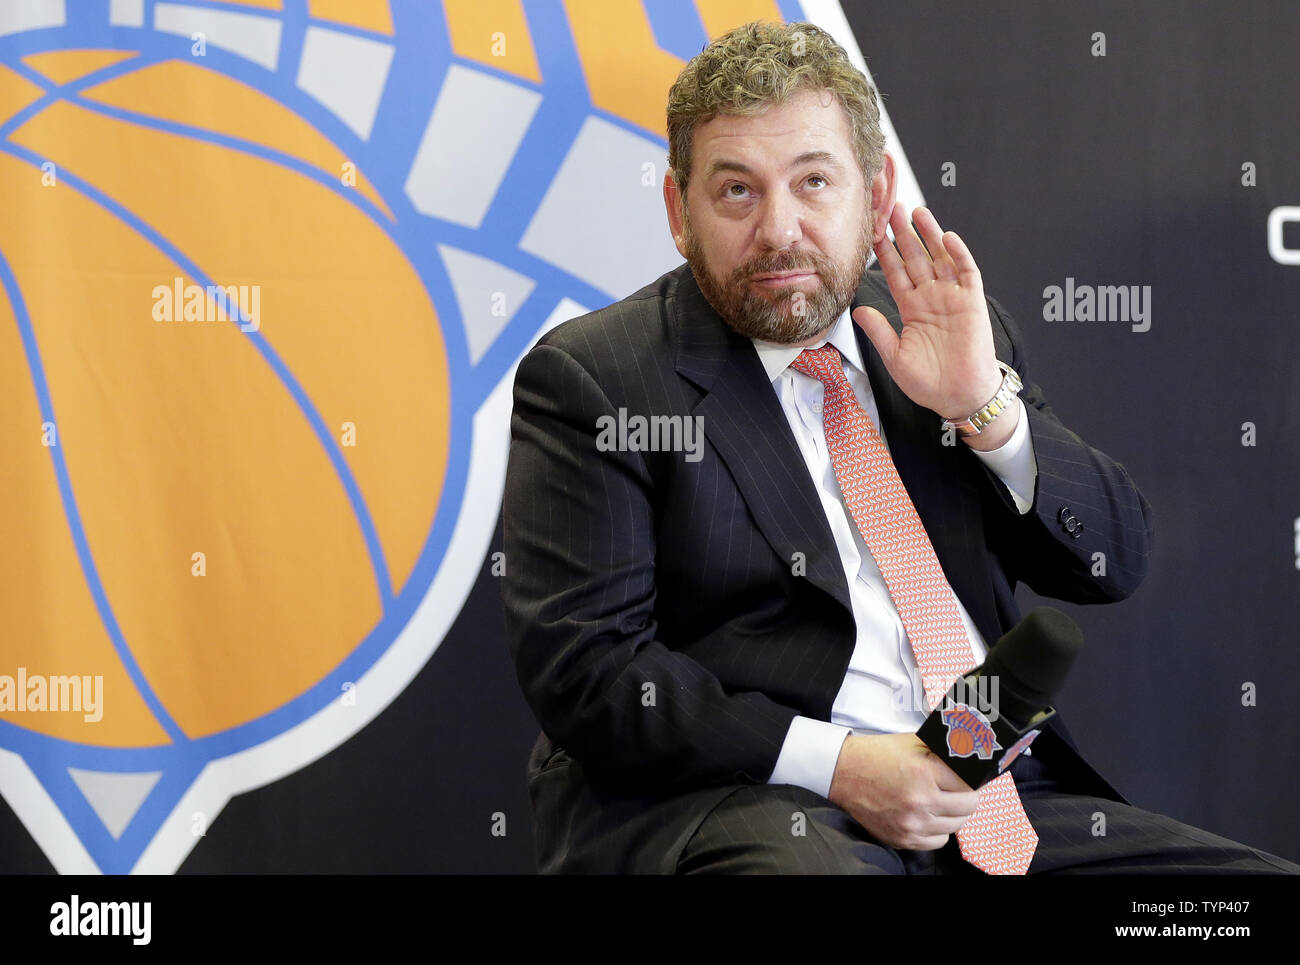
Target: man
(744, 554)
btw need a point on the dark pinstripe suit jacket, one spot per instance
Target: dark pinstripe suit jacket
(661, 630)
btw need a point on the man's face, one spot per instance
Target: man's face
(778, 193)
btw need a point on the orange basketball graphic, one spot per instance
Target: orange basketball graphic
(244, 448)
(960, 742)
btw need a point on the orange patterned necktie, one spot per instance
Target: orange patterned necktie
(997, 837)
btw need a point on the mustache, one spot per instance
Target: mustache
(778, 265)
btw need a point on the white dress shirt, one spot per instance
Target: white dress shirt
(882, 691)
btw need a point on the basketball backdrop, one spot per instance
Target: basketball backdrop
(265, 271)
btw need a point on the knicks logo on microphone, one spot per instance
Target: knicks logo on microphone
(969, 732)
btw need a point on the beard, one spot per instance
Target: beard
(787, 314)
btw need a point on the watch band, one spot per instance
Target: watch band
(980, 419)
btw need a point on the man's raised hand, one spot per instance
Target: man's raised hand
(943, 359)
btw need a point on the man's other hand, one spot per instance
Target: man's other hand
(896, 788)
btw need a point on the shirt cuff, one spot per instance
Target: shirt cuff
(1014, 462)
(809, 755)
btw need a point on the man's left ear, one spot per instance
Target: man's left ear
(884, 189)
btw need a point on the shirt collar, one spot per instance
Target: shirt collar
(777, 358)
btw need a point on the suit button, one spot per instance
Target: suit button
(1070, 522)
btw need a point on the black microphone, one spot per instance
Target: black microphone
(995, 711)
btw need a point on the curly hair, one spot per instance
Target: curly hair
(761, 64)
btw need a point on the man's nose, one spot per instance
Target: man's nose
(778, 221)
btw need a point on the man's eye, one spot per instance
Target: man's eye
(734, 185)
(816, 177)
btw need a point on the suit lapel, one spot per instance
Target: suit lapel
(744, 421)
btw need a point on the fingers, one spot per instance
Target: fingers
(891, 264)
(962, 259)
(928, 831)
(941, 263)
(945, 778)
(916, 260)
(955, 804)
(911, 264)
(954, 798)
(944, 816)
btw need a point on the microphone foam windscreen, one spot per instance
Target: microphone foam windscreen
(1035, 655)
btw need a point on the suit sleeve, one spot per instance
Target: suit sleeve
(1087, 537)
(579, 596)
